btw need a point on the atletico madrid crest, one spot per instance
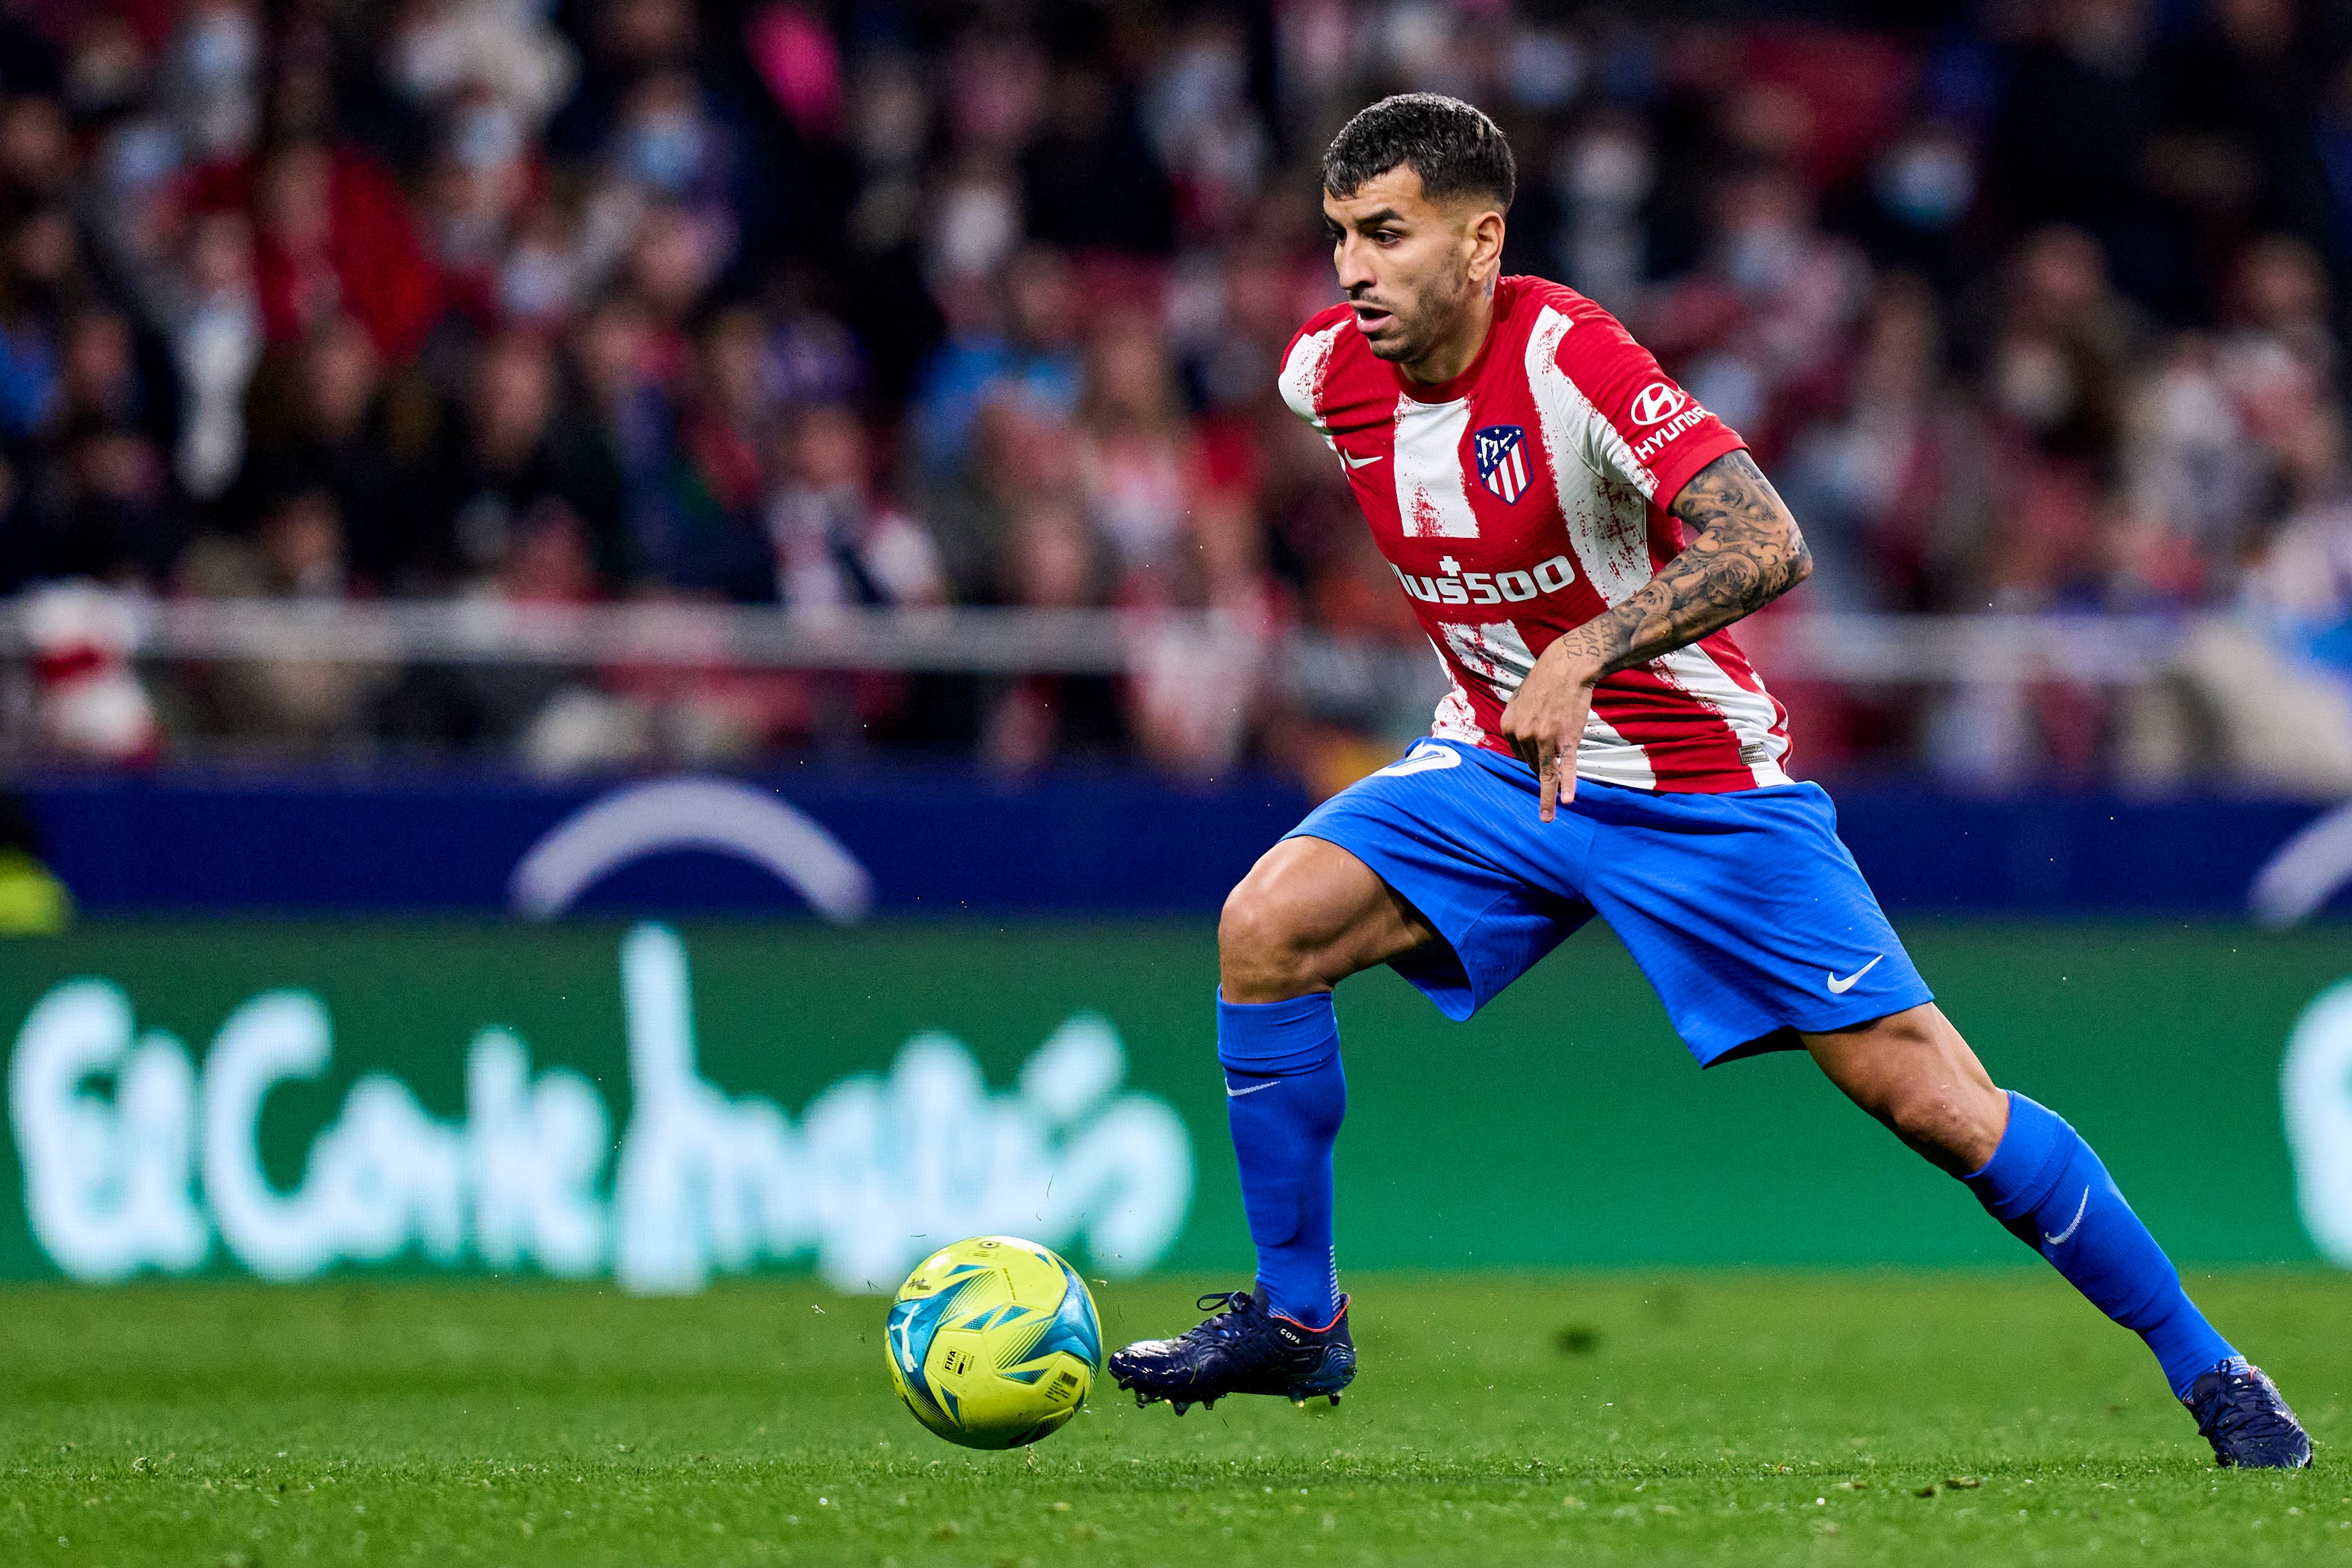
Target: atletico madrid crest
(1503, 460)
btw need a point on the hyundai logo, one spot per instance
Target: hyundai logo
(1659, 400)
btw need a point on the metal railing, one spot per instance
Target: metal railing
(2105, 650)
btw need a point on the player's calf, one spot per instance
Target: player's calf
(2035, 1174)
(2051, 1190)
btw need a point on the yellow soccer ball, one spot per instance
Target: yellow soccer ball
(993, 1342)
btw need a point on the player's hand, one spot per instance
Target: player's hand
(1546, 717)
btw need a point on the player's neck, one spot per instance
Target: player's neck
(1455, 353)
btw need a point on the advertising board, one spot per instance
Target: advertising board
(662, 1104)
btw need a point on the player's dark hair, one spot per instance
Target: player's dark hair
(1455, 150)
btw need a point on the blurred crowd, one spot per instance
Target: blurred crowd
(2027, 305)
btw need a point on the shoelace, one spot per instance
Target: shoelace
(1233, 1304)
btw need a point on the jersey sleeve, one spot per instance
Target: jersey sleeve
(1306, 364)
(1645, 430)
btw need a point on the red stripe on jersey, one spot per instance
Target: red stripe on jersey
(1654, 714)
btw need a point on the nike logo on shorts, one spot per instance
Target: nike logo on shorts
(1839, 987)
(1427, 757)
(1233, 1093)
(1352, 461)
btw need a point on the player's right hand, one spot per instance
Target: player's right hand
(1544, 721)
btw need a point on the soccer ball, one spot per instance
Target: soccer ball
(993, 1342)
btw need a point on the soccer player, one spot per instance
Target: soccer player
(1577, 536)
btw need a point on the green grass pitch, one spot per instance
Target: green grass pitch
(1749, 1418)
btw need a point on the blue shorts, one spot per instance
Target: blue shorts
(1745, 912)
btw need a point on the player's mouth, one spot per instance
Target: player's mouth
(1370, 317)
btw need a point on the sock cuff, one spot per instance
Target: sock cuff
(2036, 1149)
(1277, 1039)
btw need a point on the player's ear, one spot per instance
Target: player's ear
(1485, 235)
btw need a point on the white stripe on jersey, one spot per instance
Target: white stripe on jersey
(1749, 714)
(1302, 377)
(1454, 718)
(1615, 547)
(1431, 499)
(1605, 754)
(1492, 649)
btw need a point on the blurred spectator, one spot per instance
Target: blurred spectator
(1139, 457)
(438, 52)
(715, 541)
(1020, 456)
(1604, 177)
(1889, 478)
(331, 424)
(1089, 179)
(212, 79)
(1772, 301)
(509, 466)
(1203, 127)
(336, 236)
(628, 423)
(1029, 353)
(833, 546)
(215, 323)
(1052, 561)
(88, 703)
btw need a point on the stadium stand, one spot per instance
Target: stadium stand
(776, 317)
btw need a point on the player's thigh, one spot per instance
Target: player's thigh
(1306, 917)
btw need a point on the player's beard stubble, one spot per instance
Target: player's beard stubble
(1425, 319)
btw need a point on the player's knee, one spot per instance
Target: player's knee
(1913, 1072)
(1922, 1115)
(1263, 951)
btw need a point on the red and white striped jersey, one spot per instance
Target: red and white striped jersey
(1527, 495)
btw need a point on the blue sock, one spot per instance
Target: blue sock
(1284, 1099)
(2051, 1190)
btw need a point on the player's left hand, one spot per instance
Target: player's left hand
(1545, 720)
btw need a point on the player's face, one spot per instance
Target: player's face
(1407, 263)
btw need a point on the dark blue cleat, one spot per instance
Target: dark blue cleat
(2240, 1412)
(1242, 1348)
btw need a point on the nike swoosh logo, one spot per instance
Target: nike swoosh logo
(2080, 1209)
(1352, 461)
(1839, 987)
(1426, 757)
(1233, 1093)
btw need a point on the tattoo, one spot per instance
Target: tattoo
(1743, 553)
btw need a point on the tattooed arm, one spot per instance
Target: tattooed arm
(1743, 553)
